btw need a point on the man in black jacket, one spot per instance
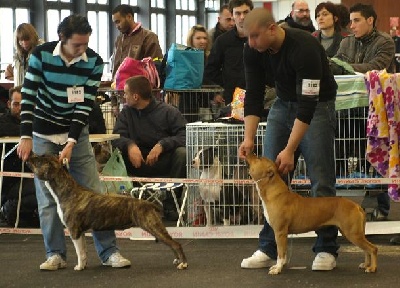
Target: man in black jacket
(301, 120)
(152, 134)
(9, 126)
(225, 62)
(224, 24)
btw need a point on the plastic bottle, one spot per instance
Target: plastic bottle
(122, 190)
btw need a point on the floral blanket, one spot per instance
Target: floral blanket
(383, 126)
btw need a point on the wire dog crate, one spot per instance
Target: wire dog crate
(244, 208)
(351, 165)
(195, 104)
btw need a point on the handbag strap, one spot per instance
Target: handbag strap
(151, 71)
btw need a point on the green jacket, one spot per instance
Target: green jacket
(372, 52)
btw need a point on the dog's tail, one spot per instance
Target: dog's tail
(158, 207)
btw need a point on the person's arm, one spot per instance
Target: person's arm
(177, 128)
(151, 46)
(253, 102)
(9, 72)
(122, 127)
(82, 109)
(214, 66)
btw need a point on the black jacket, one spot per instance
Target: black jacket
(300, 59)
(225, 63)
(158, 122)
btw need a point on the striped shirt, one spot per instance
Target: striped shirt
(44, 107)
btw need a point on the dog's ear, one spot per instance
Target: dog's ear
(270, 173)
(52, 167)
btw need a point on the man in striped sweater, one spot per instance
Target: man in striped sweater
(57, 97)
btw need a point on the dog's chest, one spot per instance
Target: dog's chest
(263, 204)
(210, 192)
(59, 210)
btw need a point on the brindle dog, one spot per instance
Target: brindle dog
(81, 209)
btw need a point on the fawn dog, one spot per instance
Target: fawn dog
(81, 209)
(288, 212)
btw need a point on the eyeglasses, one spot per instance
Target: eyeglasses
(302, 11)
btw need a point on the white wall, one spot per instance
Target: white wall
(282, 8)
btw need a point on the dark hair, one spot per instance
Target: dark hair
(344, 15)
(365, 10)
(139, 85)
(223, 7)
(123, 9)
(12, 90)
(331, 8)
(74, 24)
(236, 3)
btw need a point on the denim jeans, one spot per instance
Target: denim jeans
(317, 148)
(83, 169)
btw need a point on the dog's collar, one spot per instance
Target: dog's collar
(256, 181)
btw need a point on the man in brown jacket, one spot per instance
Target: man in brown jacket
(134, 40)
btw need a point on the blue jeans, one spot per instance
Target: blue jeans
(83, 170)
(317, 148)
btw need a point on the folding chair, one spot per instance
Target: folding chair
(157, 192)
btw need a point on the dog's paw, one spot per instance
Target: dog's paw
(79, 267)
(367, 268)
(275, 270)
(182, 266)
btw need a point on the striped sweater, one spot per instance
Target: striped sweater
(44, 106)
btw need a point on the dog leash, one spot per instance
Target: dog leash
(65, 163)
(9, 152)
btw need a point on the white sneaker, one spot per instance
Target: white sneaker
(258, 260)
(117, 261)
(324, 262)
(52, 263)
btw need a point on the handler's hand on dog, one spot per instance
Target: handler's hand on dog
(245, 148)
(66, 153)
(285, 162)
(152, 158)
(24, 148)
(135, 156)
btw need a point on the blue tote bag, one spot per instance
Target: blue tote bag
(185, 68)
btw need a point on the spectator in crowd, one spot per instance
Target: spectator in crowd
(225, 23)
(54, 120)
(368, 49)
(299, 17)
(344, 18)
(225, 62)
(329, 33)
(134, 41)
(198, 38)
(301, 120)
(9, 126)
(152, 137)
(26, 39)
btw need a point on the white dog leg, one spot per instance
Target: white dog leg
(277, 268)
(207, 210)
(80, 248)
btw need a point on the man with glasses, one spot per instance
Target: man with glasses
(299, 17)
